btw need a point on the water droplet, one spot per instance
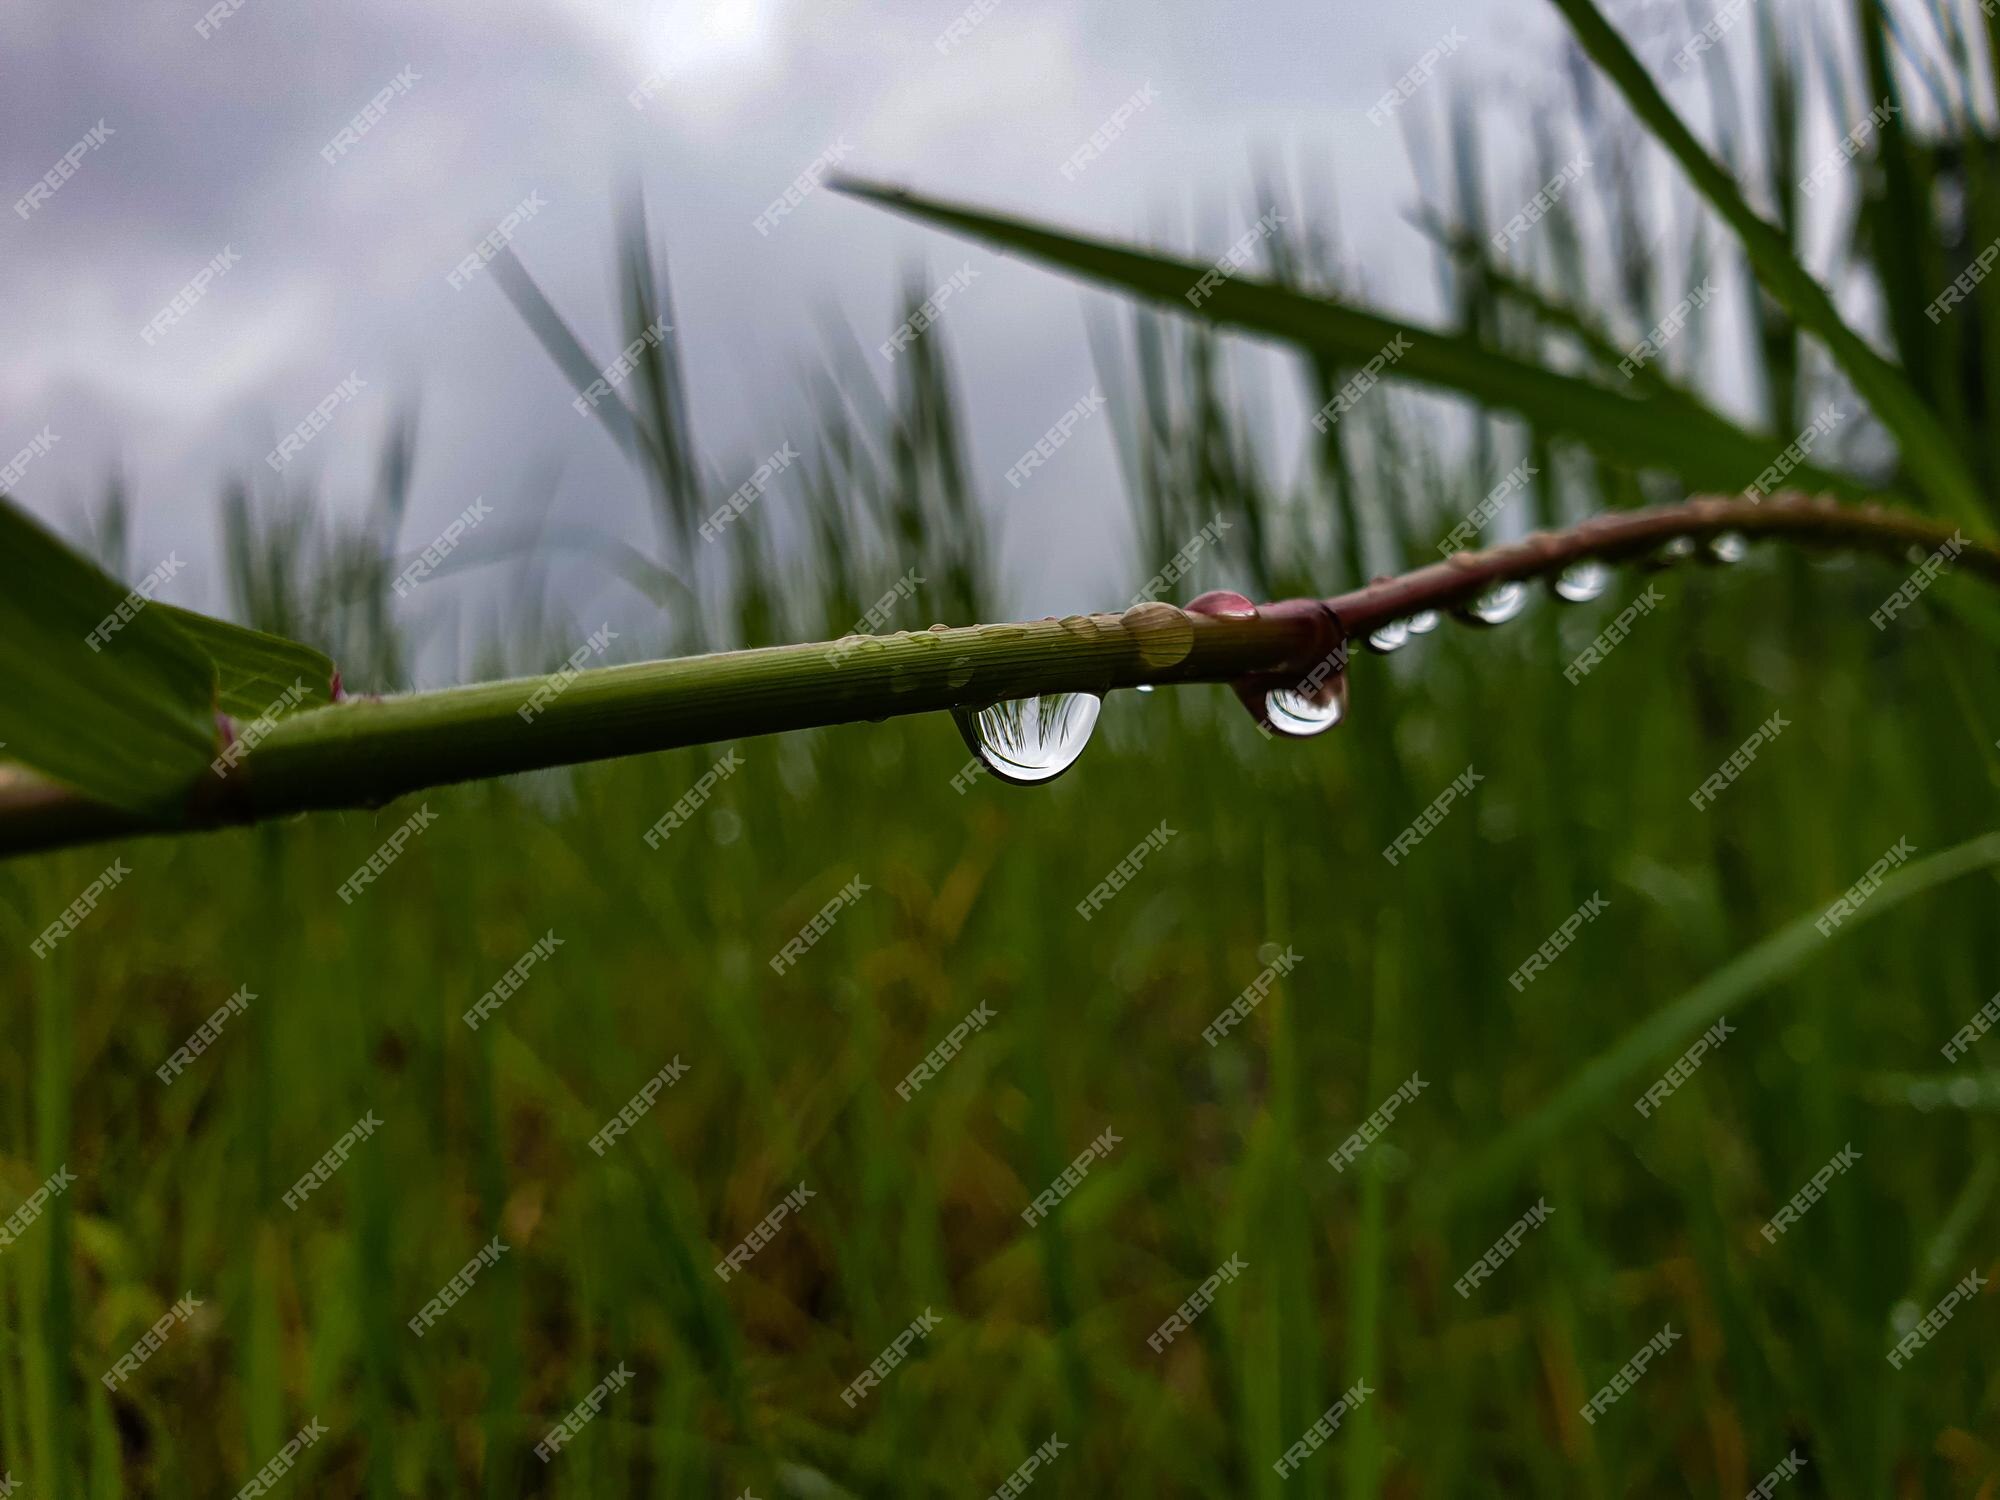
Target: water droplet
(1679, 550)
(959, 673)
(1145, 687)
(1423, 622)
(1300, 716)
(1390, 637)
(1030, 740)
(1163, 634)
(1728, 547)
(1582, 582)
(1221, 603)
(1497, 605)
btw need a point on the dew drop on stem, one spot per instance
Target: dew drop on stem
(1581, 582)
(1726, 547)
(1300, 715)
(1312, 705)
(1496, 606)
(1671, 554)
(1392, 636)
(1027, 741)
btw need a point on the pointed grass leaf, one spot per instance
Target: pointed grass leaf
(1927, 449)
(256, 672)
(1642, 430)
(563, 346)
(1656, 1040)
(120, 708)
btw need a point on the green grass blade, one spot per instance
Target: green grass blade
(1548, 310)
(1638, 430)
(1927, 449)
(125, 711)
(1904, 230)
(578, 365)
(1728, 988)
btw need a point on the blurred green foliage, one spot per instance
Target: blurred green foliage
(1223, 1149)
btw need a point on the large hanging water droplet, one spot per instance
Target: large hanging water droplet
(1027, 741)
(1727, 547)
(1497, 605)
(1300, 716)
(1423, 622)
(1582, 582)
(1390, 637)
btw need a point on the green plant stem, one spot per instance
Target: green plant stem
(367, 751)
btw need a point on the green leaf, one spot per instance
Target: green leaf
(1550, 311)
(1904, 231)
(567, 350)
(1667, 1031)
(1642, 430)
(1927, 449)
(258, 673)
(121, 710)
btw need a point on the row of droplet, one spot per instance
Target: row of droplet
(1028, 741)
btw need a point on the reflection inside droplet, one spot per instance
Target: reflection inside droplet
(1582, 582)
(1728, 547)
(1299, 716)
(1389, 637)
(1497, 605)
(1030, 740)
(1679, 550)
(1423, 622)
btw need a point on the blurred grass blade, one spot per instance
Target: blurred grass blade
(647, 300)
(1729, 988)
(1927, 450)
(1550, 311)
(257, 672)
(567, 350)
(132, 723)
(1904, 232)
(1682, 437)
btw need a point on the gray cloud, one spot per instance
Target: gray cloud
(343, 267)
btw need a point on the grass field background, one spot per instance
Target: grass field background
(1222, 1150)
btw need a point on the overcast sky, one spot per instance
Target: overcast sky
(217, 147)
